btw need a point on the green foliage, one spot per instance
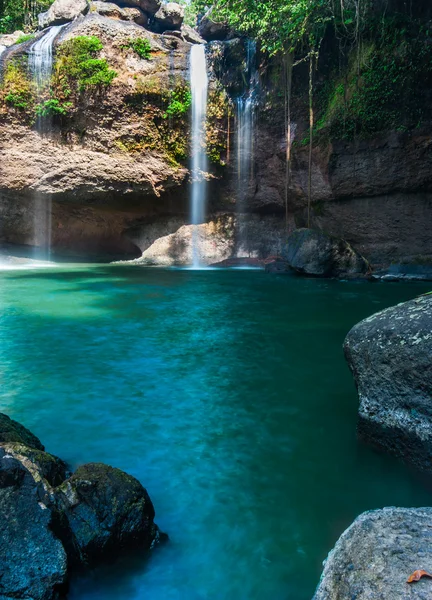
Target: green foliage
(16, 90)
(386, 84)
(53, 107)
(20, 14)
(77, 64)
(141, 46)
(25, 38)
(179, 103)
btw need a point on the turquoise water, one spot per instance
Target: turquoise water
(226, 393)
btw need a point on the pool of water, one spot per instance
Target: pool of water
(226, 393)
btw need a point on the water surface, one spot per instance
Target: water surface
(226, 393)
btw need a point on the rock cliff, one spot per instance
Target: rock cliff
(116, 166)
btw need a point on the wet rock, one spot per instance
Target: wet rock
(315, 253)
(389, 355)
(12, 431)
(33, 562)
(278, 265)
(107, 511)
(213, 31)
(169, 16)
(375, 556)
(109, 9)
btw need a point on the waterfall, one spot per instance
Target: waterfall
(199, 89)
(41, 64)
(2, 49)
(41, 57)
(245, 142)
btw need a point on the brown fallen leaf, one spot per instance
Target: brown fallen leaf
(417, 575)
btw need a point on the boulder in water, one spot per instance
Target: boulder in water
(170, 16)
(375, 556)
(33, 561)
(107, 511)
(12, 431)
(389, 355)
(51, 520)
(63, 11)
(315, 253)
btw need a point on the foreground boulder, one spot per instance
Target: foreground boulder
(12, 431)
(33, 561)
(63, 11)
(107, 511)
(389, 355)
(51, 520)
(375, 556)
(315, 253)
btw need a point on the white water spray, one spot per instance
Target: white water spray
(199, 89)
(2, 49)
(41, 57)
(245, 144)
(41, 65)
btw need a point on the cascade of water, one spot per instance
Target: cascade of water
(199, 89)
(41, 64)
(245, 142)
(41, 57)
(2, 49)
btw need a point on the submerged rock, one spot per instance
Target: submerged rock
(389, 355)
(107, 511)
(12, 431)
(315, 253)
(63, 11)
(375, 556)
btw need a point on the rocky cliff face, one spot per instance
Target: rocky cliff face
(116, 167)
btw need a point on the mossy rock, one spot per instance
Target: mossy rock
(12, 431)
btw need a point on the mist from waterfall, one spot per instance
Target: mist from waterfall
(41, 64)
(245, 143)
(199, 166)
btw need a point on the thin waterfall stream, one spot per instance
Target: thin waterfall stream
(245, 145)
(41, 64)
(199, 167)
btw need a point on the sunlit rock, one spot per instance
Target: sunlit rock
(389, 355)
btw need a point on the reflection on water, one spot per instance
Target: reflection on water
(226, 393)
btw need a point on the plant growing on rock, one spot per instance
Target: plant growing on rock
(141, 46)
(78, 66)
(179, 102)
(53, 107)
(17, 89)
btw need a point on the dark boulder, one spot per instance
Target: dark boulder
(315, 253)
(375, 556)
(278, 265)
(213, 31)
(389, 355)
(12, 431)
(107, 511)
(33, 562)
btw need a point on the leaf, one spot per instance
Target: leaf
(417, 575)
